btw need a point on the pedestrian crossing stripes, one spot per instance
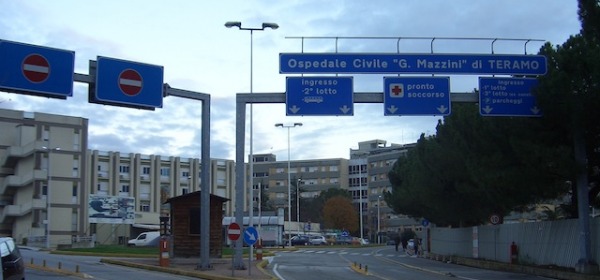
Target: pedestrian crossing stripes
(331, 252)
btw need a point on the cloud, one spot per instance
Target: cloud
(199, 54)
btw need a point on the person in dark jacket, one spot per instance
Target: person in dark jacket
(397, 241)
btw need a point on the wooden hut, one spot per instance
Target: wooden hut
(185, 224)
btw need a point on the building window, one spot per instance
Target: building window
(144, 206)
(313, 169)
(280, 170)
(146, 170)
(185, 174)
(165, 171)
(124, 169)
(125, 188)
(184, 191)
(333, 168)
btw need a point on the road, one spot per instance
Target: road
(382, 263)
(90, 267)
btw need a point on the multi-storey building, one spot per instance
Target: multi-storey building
(307, 177)
(47, 173)
(42, 183)
(150, 180)
(371, 162)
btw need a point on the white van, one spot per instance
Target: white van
(149, 238)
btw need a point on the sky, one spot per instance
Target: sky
(188, 38)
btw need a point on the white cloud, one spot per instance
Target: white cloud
(199, 54)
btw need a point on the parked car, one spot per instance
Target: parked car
(145, 239)
(330, 238)
(364, 241)
(300, 240)
(343, 240)
(390, 242)
(318, 240)
(13, 267)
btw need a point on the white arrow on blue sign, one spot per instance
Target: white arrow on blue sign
(319, 96)
(36, 70)
(416, 96)
(250, 235)
(507, 97)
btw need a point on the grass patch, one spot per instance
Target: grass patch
(114, 249)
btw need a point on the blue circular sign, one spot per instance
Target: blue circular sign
(250, 235)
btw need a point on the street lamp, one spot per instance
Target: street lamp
(48, 183)
(288, 126)
(378, 221)
(298, 203)
(265, 25)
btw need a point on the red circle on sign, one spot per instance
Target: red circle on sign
(35, 68)
(130, 82)
(234, 231)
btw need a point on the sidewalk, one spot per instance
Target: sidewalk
(221, 268)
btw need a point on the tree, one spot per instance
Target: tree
(338, 213)
(493, 165)
(314, 206)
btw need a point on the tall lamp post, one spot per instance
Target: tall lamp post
(298, 203)
(288, 126)
(49, 182)
(378, 221)
(264, 26)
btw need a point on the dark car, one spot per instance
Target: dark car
(13, 267)
(300, 240)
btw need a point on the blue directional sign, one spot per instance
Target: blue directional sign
(128, 84)
(319, 96)
(345, 233)
(327, 63)
(36, 70)
(250, 235)
(507, 97)
(416, 96)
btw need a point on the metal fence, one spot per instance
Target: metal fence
(539, 243)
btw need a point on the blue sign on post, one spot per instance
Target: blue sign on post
(429, 63)
(319, 96)
(128, 84)
(250, 235)
(416, 96)
(507, 97)
(36, 70)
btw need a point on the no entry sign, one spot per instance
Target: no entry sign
(234, 231)
(130, 82)
(36, 68)
(127, 83)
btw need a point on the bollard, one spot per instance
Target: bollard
(360, 266)
(59, 265)
(77, 269)
(259, 252)
(366, 268)
(31, 262)
(44, 263)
